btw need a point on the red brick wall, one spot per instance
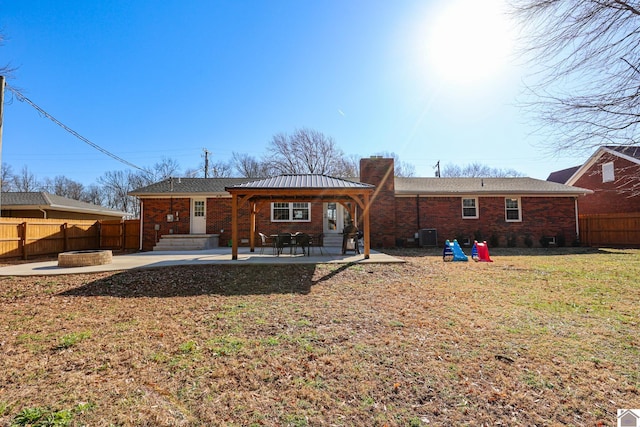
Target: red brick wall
(611, 197)
(219, 220)
(155, 211)
(382, 214)
(541, 216)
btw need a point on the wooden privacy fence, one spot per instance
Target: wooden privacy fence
(610, 229)
(28, 237)
(116, 234)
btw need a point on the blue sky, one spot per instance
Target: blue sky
(150, 79)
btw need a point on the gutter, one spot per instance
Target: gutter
(577, 219)
(141, 223)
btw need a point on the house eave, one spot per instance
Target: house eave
(222, 194)
(60, 208)
(490, 194)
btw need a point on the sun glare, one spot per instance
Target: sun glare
(469, 41)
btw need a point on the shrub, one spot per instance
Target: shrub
(512, 240)
(494, 240)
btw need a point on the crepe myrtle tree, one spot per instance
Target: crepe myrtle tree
(584, 89)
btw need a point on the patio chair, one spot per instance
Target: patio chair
(350, 243)
(266, 241)
(283, 240)
(303, 241)
(317, 241)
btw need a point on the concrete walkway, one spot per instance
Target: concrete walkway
(330, 255)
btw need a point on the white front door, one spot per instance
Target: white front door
(334, 214)
(198, 216)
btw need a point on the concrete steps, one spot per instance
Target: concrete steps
(332, 240)
(187, 242)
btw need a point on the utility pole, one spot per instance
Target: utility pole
(206, 163)
(437, 168)
(1, 122)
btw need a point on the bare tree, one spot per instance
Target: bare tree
(249, 167)
(193, 173)
(161, 170)
(585, 90)
(347, 167)
(93, 194)
(65, 187)
(116, 185)
(400, 168)
(220, 169)
(26, 181)
(5, 70)
(305, 151)
(6, 177)
(478, 170)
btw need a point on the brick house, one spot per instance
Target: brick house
(613, 173)
(41, 204)
(402, 211)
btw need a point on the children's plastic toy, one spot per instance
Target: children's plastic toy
(453, 252)
(447, 253)
(458, 254)
(480, 252)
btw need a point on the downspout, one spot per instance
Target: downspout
(418, 210)
(575, 201)
(44, 213)
(141, 223)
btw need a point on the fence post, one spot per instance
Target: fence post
(123, 235)
(65, 235)
(23, 240)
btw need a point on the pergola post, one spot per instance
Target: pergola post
(234, 226)
(252, 236)
(367, 227)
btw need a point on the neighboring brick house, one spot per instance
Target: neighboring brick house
(613, 173)
(505, 211)
(40, 204)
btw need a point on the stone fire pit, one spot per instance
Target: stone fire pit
(84, 258)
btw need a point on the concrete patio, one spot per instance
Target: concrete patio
(329, 255)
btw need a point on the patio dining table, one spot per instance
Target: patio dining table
(281, 240)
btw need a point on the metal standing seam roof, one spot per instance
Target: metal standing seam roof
(302, 181)
(445, 186)
(23, 200)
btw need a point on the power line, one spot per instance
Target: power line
(23, 98)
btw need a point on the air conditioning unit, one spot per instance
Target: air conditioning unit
(428, 237)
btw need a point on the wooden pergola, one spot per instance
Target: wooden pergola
(298, 188)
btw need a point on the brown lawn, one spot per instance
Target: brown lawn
(539, 337)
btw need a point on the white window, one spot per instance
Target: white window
(607, 172)
(470, 208)
(198, 208)
(512, 211)
(290, 212)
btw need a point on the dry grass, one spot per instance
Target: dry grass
(536, 338)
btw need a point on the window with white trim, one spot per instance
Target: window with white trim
(198, 208)
(290, 212)
(470, 208)
(512, 209)
(608, 174)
